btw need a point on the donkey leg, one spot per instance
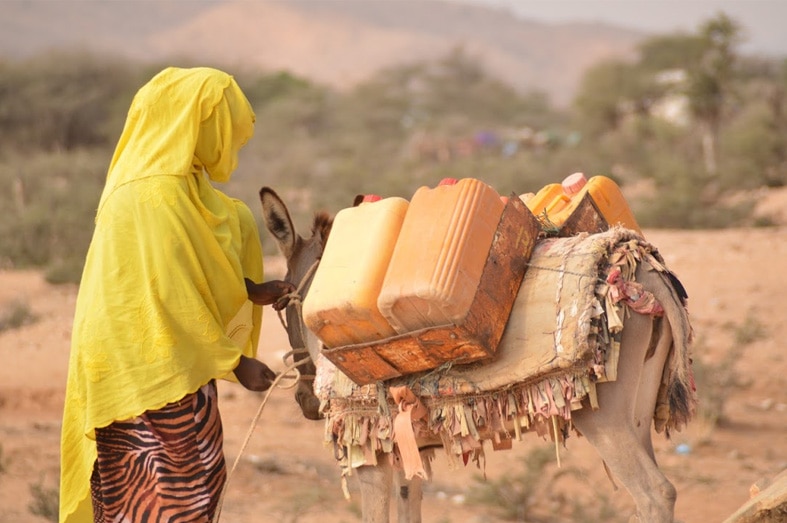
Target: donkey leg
(619, 438)
(409, 496)
(630, 462)
(650, 380)
(375, 483)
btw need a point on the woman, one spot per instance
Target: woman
(163, 311)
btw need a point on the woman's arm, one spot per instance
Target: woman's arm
(268, 293)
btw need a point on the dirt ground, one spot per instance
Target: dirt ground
(736, 293)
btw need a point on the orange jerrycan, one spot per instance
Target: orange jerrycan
(560, 200)
(341, 305)
(440, 254)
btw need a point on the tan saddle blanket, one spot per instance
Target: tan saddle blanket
(560, 340)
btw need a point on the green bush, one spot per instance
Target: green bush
(718, 378)
(533, 492)
(45, 502)
(51, 208)
(12, 316)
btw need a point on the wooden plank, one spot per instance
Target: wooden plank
(768, 505)
(585, 218)
(361, 363)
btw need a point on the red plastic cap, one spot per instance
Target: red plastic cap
(371, 198)
(447, 181)
(574, 183)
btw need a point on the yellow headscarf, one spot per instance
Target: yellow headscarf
(162, 306)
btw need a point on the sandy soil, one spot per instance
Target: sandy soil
(736, 298)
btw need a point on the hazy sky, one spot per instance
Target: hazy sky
(764, 21)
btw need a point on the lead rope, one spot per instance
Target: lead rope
(254, 421)
(293, 298)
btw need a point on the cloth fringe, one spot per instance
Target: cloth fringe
(462, 424)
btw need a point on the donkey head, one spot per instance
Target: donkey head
(302, 255)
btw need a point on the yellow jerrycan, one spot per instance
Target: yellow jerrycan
(341, 305)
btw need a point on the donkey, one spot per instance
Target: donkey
(654, 360)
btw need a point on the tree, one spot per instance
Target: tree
(711, 82)
(602, 95)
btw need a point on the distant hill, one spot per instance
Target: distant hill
(335, 42)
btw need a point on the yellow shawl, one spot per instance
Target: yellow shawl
(162, 306)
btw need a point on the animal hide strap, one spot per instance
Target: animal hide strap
(411, 410)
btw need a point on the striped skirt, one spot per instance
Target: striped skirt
(166, 465)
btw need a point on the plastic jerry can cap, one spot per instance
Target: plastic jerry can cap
(371, 198)
(574, 183)
(447, 181)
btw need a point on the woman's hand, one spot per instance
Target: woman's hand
(269, 293)
(254, 374)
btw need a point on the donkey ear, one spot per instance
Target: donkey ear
(278, 221)
(358, 199)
